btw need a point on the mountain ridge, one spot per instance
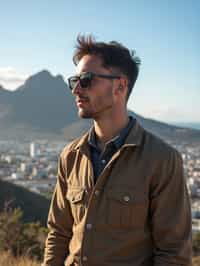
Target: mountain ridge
(44, 105)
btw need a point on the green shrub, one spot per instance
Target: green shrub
(21, 238)
(196, 244)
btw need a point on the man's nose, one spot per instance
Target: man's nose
(77, 88)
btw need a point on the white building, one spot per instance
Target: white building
(8, 158)
(16, 176)
(26, 167)
(34, 150)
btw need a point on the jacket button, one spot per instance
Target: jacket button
(89, 226)
(96, 192)
(126, 198)
(85, 258)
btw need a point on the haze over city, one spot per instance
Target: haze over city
(165, 34)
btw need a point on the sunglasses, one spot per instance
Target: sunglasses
(86, 78)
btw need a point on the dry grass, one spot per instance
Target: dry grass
(196, 261)
(8, 260)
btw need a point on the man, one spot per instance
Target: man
(120, 197)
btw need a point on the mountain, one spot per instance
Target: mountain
(34, 206)
(167, 131)
(163, 130)
(43, 102)
(193, 125)
(1, 88)
(45, 108)
(42, 106)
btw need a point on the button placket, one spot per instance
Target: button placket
(91, 206)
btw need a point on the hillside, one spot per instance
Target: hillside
(35, 207)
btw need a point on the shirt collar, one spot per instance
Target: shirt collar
(117, 141)
(134, 137)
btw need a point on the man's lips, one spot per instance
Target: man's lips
(81, 101)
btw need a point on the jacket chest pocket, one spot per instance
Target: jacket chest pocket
(76, 197)
(126, 208)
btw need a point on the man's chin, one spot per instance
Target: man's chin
(85, 115)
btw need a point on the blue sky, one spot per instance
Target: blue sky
(38, 35)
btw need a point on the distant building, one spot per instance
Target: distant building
(34, 150)
(26, 167)
(39, 173)
(195, 226)
(16, 176)
(8, 159)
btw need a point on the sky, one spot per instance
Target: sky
(37, 35)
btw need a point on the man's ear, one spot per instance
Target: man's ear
(123, 84)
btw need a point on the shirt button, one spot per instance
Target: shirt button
(96, 192)
(89, 226)
(126, 198)
(85, 258)
(103, 161)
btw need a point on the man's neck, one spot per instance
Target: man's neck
(108, 128)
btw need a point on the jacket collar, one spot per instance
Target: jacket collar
(116, 141)
(135, 135)
(134, 138)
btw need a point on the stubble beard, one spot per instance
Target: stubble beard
(96, 114)
(85, 114)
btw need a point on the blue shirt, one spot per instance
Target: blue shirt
(101, 158)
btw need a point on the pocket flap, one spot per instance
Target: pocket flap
(125, 195)
(75, 194)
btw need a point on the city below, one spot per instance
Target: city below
(33, 165)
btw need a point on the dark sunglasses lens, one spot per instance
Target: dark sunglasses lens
(73, 82)
(85, 81)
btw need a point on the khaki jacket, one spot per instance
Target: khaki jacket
(138, 213)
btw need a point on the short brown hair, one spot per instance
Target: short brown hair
(113, 54)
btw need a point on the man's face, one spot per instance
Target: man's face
(98, 99)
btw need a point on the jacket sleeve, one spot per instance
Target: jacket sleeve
(170, 214)
(59, 223)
